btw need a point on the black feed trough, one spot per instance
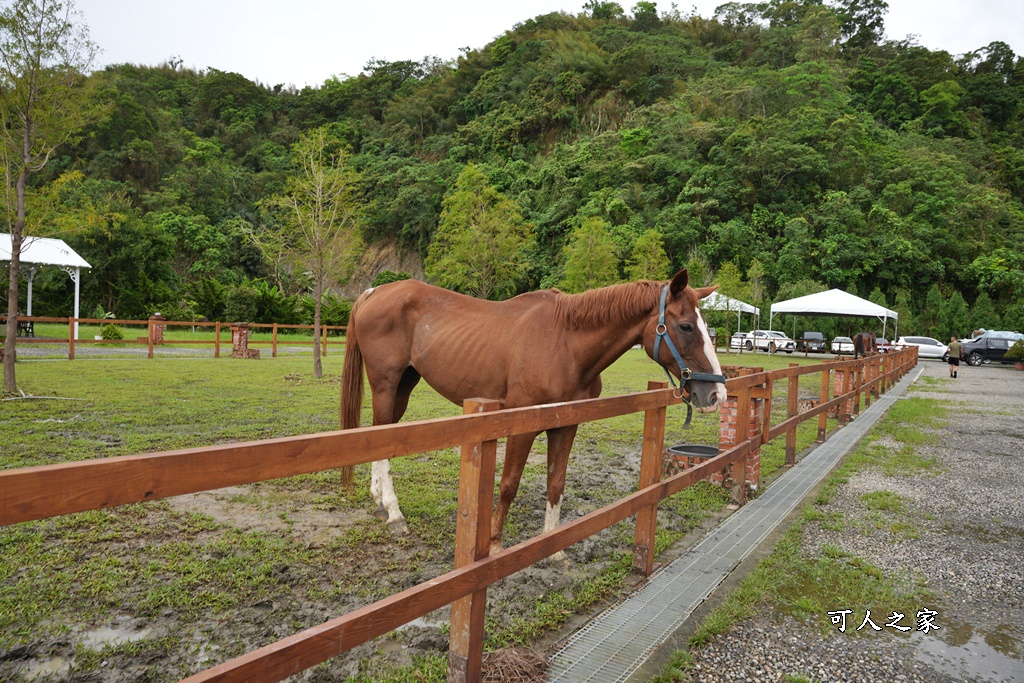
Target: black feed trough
(694, 450)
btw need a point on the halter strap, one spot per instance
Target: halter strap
(685, 373)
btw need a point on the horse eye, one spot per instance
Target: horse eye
(686, 327)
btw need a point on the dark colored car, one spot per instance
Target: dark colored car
(813, 342)
(990, 346)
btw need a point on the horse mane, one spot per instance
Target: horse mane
(599, 307)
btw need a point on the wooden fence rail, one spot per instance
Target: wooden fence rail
(154, 336)
(51, 490)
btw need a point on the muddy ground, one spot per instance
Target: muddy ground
(188, 583)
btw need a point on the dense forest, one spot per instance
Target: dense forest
(778, 149)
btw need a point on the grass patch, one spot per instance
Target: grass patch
(184, 568)
(809, 587)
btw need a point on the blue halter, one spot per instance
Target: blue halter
(685, 373)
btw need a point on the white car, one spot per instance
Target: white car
(926, 347)
(842, 345)
(763, 340)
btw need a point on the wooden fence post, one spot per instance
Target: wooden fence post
(273, 353)
(792, 406)
(826, 382)
(472, 542)
(71, 338)
(323, 335)
(650, 472)
(149, 335)
(216, 340)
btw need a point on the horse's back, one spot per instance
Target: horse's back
(460, 345)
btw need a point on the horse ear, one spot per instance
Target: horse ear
(679, 283)
(705, 292)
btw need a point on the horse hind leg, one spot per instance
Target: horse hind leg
(390, 410)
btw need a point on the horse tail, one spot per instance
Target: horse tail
(351, 389)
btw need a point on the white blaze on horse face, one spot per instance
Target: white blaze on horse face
(716, 368)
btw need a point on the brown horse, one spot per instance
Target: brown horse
(539, 347)
(863, 344)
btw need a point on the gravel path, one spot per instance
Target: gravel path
(969, 549)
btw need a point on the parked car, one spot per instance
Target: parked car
(813, 342)
(883, 345)
(926, 347)
(762, 340)
(990, 346)
(842, 345)
(738, 341)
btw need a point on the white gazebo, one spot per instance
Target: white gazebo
(835, 302)
(716, 301)
(38, 252)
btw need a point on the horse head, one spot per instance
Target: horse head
(677, 338)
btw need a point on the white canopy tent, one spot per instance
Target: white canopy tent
(37, 252)
(835, 302)
(717, 301)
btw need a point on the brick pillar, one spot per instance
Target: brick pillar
(158, 329)
(240, 342)
(728, 417)
(844, 412)
(754, 457)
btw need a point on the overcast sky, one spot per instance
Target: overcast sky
(304, 42)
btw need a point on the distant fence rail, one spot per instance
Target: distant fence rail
(745, 423)
(156, 326)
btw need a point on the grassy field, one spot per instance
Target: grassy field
(291, 552)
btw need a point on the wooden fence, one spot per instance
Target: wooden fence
(155, 328)
(51, 490)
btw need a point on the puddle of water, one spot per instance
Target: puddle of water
(97, 639)
(58, 666)
(988, 655)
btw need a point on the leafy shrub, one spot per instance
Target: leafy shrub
(334, 310)
(111, 331)
(1016, 352)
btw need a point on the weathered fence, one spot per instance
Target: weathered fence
(156, 326)
(746, 422)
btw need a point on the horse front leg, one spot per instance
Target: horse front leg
(559, 444)
(517, 450)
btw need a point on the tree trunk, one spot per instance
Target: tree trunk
(17, 239)
(318, 370)
(10, 383)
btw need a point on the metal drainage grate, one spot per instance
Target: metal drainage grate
(617, 642)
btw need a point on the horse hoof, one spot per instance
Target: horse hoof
(398, 527)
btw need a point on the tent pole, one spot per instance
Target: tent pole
(78, 277)
(31, 273)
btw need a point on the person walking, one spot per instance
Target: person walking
(955, 353)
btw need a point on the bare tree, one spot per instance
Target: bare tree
(45, 53)
(319, 226)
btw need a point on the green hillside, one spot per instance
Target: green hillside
(782, 146)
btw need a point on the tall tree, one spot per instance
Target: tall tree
(44, 52)
(590, 259)
(480, 244)
(319, 218)
(648, 260)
